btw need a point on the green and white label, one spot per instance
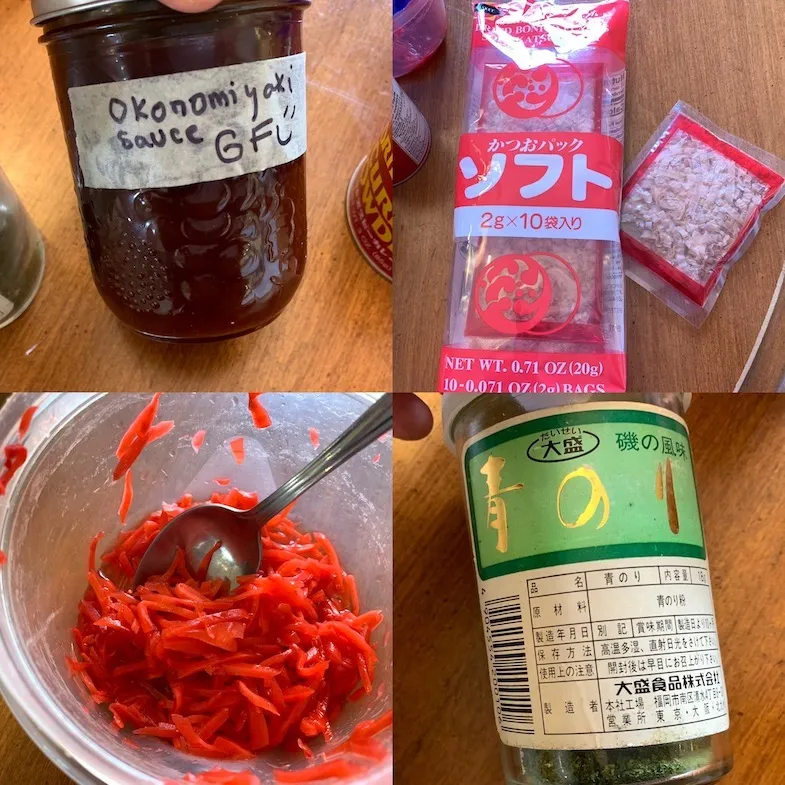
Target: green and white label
(593, 579)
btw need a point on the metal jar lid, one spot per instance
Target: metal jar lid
(454, 403)
(46, 10)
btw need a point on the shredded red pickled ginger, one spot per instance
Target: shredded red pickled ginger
(362, 745)
(238, 449)
(198, 440)
(128, 497)
(261, 419)
(27, 418)
(16, 453)
(218, 777)
(15, 456)
(333, 769)
(159, 430)
(226, 675)
(139, 434)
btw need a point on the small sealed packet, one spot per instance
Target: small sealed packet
(537, 297)
(692, 205)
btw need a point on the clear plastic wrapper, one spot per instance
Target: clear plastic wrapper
(693, 201)
(537, 298)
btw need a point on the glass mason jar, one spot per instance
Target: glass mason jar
(594, 587)
(187, 136)
(21, 256)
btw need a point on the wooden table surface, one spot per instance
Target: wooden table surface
(336, 335)
(21, 762)
(724, 61)
(445, 731)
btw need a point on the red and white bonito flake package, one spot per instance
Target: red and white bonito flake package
(537, 299)
(693, 201)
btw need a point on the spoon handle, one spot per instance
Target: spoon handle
(374, 422)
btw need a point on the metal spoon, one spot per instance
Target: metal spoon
(198, 529)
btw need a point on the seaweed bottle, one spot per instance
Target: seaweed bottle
(594, 588)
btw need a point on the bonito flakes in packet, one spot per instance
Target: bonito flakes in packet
(537, 300)
(693, 201)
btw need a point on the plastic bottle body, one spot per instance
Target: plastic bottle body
(419, 27)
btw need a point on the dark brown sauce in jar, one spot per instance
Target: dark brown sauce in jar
(212, 258)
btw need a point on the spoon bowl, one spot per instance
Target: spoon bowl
(198, 529)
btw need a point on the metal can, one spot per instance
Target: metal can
(592, 574)
(398, 155)
(411, 136)
(369, 208)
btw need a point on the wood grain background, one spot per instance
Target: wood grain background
(445, 731)
(722, 57)
(336, 335)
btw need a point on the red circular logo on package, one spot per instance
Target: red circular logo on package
(535, 92)
(514, 293)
